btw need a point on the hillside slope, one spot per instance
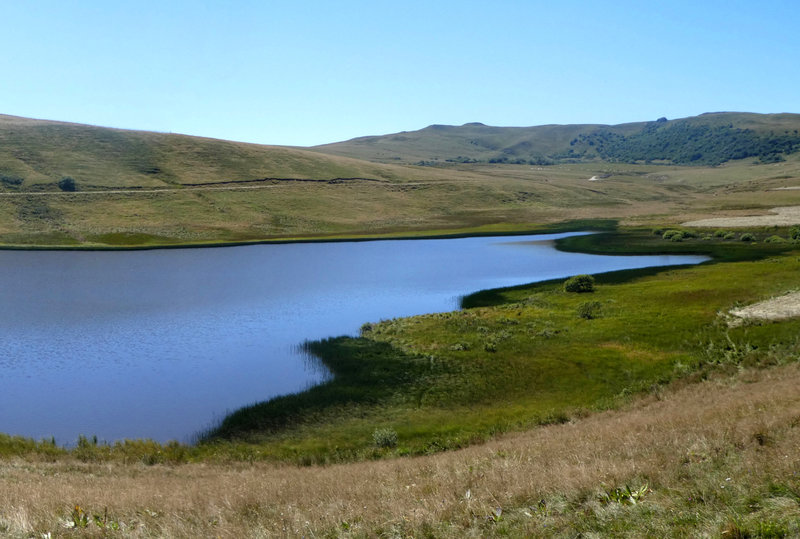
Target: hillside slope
(708, 139)
(35, 154)
(142, 189)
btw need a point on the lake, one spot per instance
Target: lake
(161, 344)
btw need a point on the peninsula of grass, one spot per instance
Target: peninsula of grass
(525, 356)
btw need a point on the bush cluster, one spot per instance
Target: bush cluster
(579, 284)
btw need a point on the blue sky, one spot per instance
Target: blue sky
(305, 73)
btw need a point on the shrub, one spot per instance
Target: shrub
(774, 239)
(66, 184)
(794, 233)
(386, 437)
(589, 310)
(14, 181)
(747, 237)
(673, 235)
(720, 233)
(579, 283)
(729, 236)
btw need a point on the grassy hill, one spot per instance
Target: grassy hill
(708, 139)
(40, 152)
(142, 189)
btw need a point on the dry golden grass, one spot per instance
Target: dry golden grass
(709, 451)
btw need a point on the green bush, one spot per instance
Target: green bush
(386, 437)
(794, 233)
(729, 236)
(579, 283)
(589, 310)
(720, 233)
(66, 184)
(673, 235)
(774, 239)
(747, 236)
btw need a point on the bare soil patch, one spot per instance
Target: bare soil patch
(779, 308)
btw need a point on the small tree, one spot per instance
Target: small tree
(66, 184)
(579, 283)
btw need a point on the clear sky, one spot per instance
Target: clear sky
(306, 72)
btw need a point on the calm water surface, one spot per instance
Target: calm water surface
(160, 344)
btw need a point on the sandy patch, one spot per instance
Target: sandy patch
(779, 308)
(594, 179)
(783, 216)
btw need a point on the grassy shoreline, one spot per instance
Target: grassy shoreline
(467, 232)
(400, 402)
(399, 377)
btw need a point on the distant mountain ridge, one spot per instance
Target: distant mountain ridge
(707, 139)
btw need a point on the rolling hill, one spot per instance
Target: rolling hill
(72, 185)
(35, 154)
(708, 139)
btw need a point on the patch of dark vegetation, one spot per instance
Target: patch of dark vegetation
(11, 180)
(67, 184)
(366, 373)
(36, 208)
(644, 241)
(685, 142)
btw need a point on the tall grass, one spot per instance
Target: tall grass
(718, 458)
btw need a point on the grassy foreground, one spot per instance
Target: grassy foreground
(719, 458)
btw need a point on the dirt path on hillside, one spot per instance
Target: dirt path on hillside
(783, 216)
(216, 186)
(135, 191)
